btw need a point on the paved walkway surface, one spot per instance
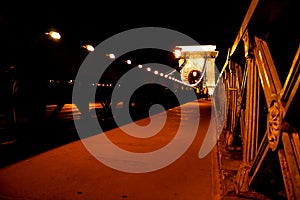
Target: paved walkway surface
(72, 171)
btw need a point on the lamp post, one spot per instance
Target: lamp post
(41, 62)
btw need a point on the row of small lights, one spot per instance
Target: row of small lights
(55, 35)
(156, 72)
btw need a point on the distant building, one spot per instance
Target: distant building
(197, 64)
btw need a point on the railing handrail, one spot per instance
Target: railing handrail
(240, 35)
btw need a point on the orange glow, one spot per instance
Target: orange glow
(177, 53)
(54, 35)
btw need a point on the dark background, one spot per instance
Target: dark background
(23, 26)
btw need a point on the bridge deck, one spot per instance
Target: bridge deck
(70, 171)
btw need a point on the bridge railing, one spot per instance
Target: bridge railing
(262, 116)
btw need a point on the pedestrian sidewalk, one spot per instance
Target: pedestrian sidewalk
(70, 171)
(32, 171)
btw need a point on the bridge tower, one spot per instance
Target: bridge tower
(197, 65)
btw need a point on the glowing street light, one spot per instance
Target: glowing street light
(111, 56)
(88, 47)
(177, 52)
(54, 35)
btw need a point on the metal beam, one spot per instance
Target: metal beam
(241, 33)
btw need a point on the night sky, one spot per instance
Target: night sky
(23, 26)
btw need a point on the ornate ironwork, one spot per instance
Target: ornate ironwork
(274, 123)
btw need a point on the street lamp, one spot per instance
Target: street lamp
(128, 62)
(111, 55)
(177, 52)
(88, 47)
(53, 34)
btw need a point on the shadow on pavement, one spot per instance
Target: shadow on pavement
(23, 141)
